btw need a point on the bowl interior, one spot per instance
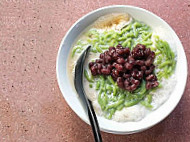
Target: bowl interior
(164, 31)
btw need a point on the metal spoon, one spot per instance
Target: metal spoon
(78, 81)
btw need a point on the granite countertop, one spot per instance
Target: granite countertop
(32, 108)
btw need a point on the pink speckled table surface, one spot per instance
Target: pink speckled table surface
(32, 108)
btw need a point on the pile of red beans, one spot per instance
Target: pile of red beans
(127, 68)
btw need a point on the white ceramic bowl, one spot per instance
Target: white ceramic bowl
(166, 32)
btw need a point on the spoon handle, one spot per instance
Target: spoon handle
(93, 121)
(95, 127)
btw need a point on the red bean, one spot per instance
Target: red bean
(133, 87)
(101, 55)
(111, 51)
(126, 83)
(120, 60)
(126, 75)
(91, 64)
(115, 55)
(114, 64)
(137, 54)
(119, 67)
(111, 48)
(139, 62)
(150, 85)
(99, 66)
(149, 61)
(95, 66)
(120, 51)
(109, 66)
(147, 52)
(93, 70)
(128, 88)
(140, 75)
(141, 46)
(120, 82)
(151, 77)
(137, 82)
(99, 61)
(128, 66)
(126, 51)
(107, 59)
(138, 51)
(134, 74)
(151, 68)
(105, 71)
(143, 68)
(119, 46)
(152, 55)
(147, 72)
(106, 52)
(131, 60)
(116, 72)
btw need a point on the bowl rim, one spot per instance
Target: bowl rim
(136, 8)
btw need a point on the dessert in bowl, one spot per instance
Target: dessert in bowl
(132, 74)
